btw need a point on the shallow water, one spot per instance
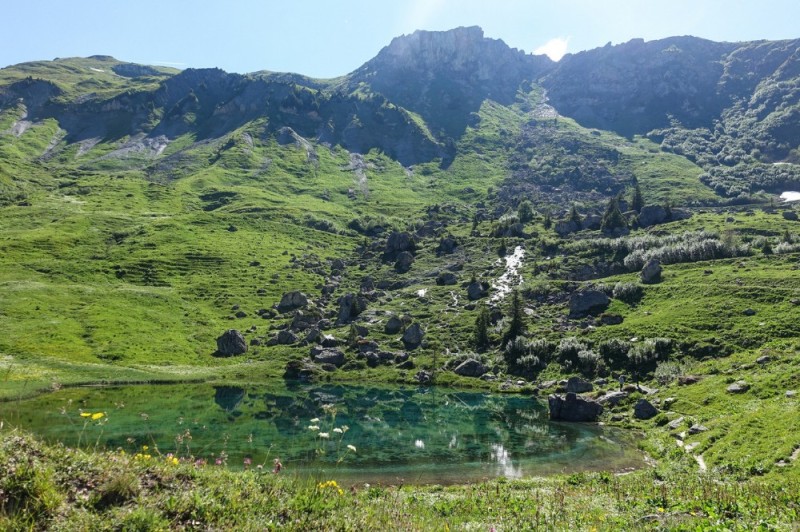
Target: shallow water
(406, 435)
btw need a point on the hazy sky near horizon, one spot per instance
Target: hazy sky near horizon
(328, 38)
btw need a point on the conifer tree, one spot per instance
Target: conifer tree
(516, 325)
(612, 218)
(481, 337)
(636, 197)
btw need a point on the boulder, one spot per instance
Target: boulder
(652, 215)
(738, 387)
(398, 243)
(393, 326)
(299, 370)
(367, 285)
(477, 290)
(676, 423)
(790, 215)
(565, 227)
(404, 261)
(328, 340)
(423, 377)
(446, 279)
(573, 408)
(644, 409)
(327, 356)
(697, 429)
(610, 318)
(587, 302)
(578, 385)
(286, 337)
(231, 343)
(350, 306)
(686, 380)
(292, 301)
(470, 368)
(651, 272)
(613, 398)
(413, 336)
(749, 312)
(592, 221)
(337, 265)
(302, 321)
(447, 246)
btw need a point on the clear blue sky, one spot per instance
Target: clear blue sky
(327, 38)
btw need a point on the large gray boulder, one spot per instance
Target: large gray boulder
(470, 368)
(652, 215)
(477, 290)
(231, 343)
(578, 385)
(327, 356)
(413, 336)
(587, 302)
(393, 326)
(565, 227)
(350, 306)
(573, 408)
(644, 409)
(613, 398)
(292, 301)
(651, 272)
(286, 337)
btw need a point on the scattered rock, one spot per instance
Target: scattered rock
(398, 243)
(477, 290)
(337, 265)
(286, 337)
(697, 429)
(651, 272)
(393, 326)
(423, 377)
(299, 370)
(367, 285)
(231, 343)
(749, 312)
(350, 306)
(738, 387)
(790, 394)
(413, 336)
(644, 409)
(578, 385)
(446, 279)
(685, 380)
(613, 398)
(404, 262)
(447, 246)
(327, 340)
(408, 364)
(764, 359)
(573, 408)
(652, 215)
(470, 368)
(241, 314)
(609, 318)
(292, 301)
(675, 424)
(565, 227)
(587, 302)
(327, 356)
(790, 215)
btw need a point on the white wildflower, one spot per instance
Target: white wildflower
(352, 448)
(324, 435)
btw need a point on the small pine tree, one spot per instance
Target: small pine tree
(612, 218)
(636, 197)
(502, 250)
(787, 237)
(574, 215)
(766, 249)
(548, 220)
(516, 325)
(481, 337)
(525, 212)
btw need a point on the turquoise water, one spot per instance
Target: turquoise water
(405, 435)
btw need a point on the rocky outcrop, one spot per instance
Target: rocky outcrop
(587, 302)
(573, 408)
(393, 326)
(322, 355)
(350, 306)
(292, 301)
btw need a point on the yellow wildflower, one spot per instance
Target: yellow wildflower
(86, 414)
(97, 416)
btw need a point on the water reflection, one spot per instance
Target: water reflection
(417, 435)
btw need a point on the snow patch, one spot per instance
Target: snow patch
(511, 277)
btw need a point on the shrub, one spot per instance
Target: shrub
(615, 352)
(568, 349)
(630, 293)
(588, 361)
